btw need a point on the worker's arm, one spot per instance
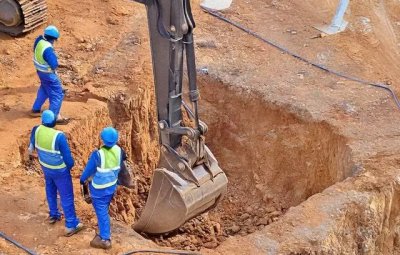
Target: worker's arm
(32, 140)
(65, 151)
(51, 58)
(90, 168)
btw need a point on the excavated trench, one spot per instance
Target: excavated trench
(273, 160)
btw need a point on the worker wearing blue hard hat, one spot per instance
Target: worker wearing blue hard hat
(103, 169)
(56, 161)
(46, 63)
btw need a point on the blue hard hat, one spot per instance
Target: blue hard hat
(52, 31)
(48, 117)
(109, 135)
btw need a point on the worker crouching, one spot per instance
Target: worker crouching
(103, 168)
(56, 161)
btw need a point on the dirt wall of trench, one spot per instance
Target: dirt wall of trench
(351, 208)
(285, 159)
(358, 216)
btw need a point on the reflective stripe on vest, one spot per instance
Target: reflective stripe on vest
(108, 168)
(45, 143)
(38, 60)
(105, 185)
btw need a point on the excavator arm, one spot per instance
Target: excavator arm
(188, 180)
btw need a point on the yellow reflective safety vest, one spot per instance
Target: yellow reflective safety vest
(38, 60)
(108, 167)
(48, 151)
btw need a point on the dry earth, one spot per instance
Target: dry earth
(312, 159)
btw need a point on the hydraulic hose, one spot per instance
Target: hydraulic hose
(163, 252)
(295, 55)
(17, 244)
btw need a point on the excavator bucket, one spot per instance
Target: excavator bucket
(21, 16)
(173, 199)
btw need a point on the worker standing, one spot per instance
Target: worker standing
(103, 168)
(56, 161)
(46, 63)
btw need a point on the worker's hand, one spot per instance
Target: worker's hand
(30, 152)
(30, 149)
(29, 157)
(85, 192)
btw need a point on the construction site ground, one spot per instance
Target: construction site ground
(312, 159)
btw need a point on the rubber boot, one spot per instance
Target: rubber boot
(62, 120)
(35, 114)
(72, 231)
(99, 243)
(53, 220)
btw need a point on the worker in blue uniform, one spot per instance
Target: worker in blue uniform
(103, 169)
(46, 63)
(56, 161)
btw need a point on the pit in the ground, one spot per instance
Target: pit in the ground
(273, 160)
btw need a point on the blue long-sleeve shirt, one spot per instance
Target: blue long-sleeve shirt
(90, 170)
(65, 151)
(48, 55)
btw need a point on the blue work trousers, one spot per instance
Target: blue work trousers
(101, 206)
(61, 181)
(50, 88)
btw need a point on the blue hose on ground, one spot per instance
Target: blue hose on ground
(295, 55)
(17, 244)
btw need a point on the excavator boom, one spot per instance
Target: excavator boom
(188, 180)
(20, 16)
